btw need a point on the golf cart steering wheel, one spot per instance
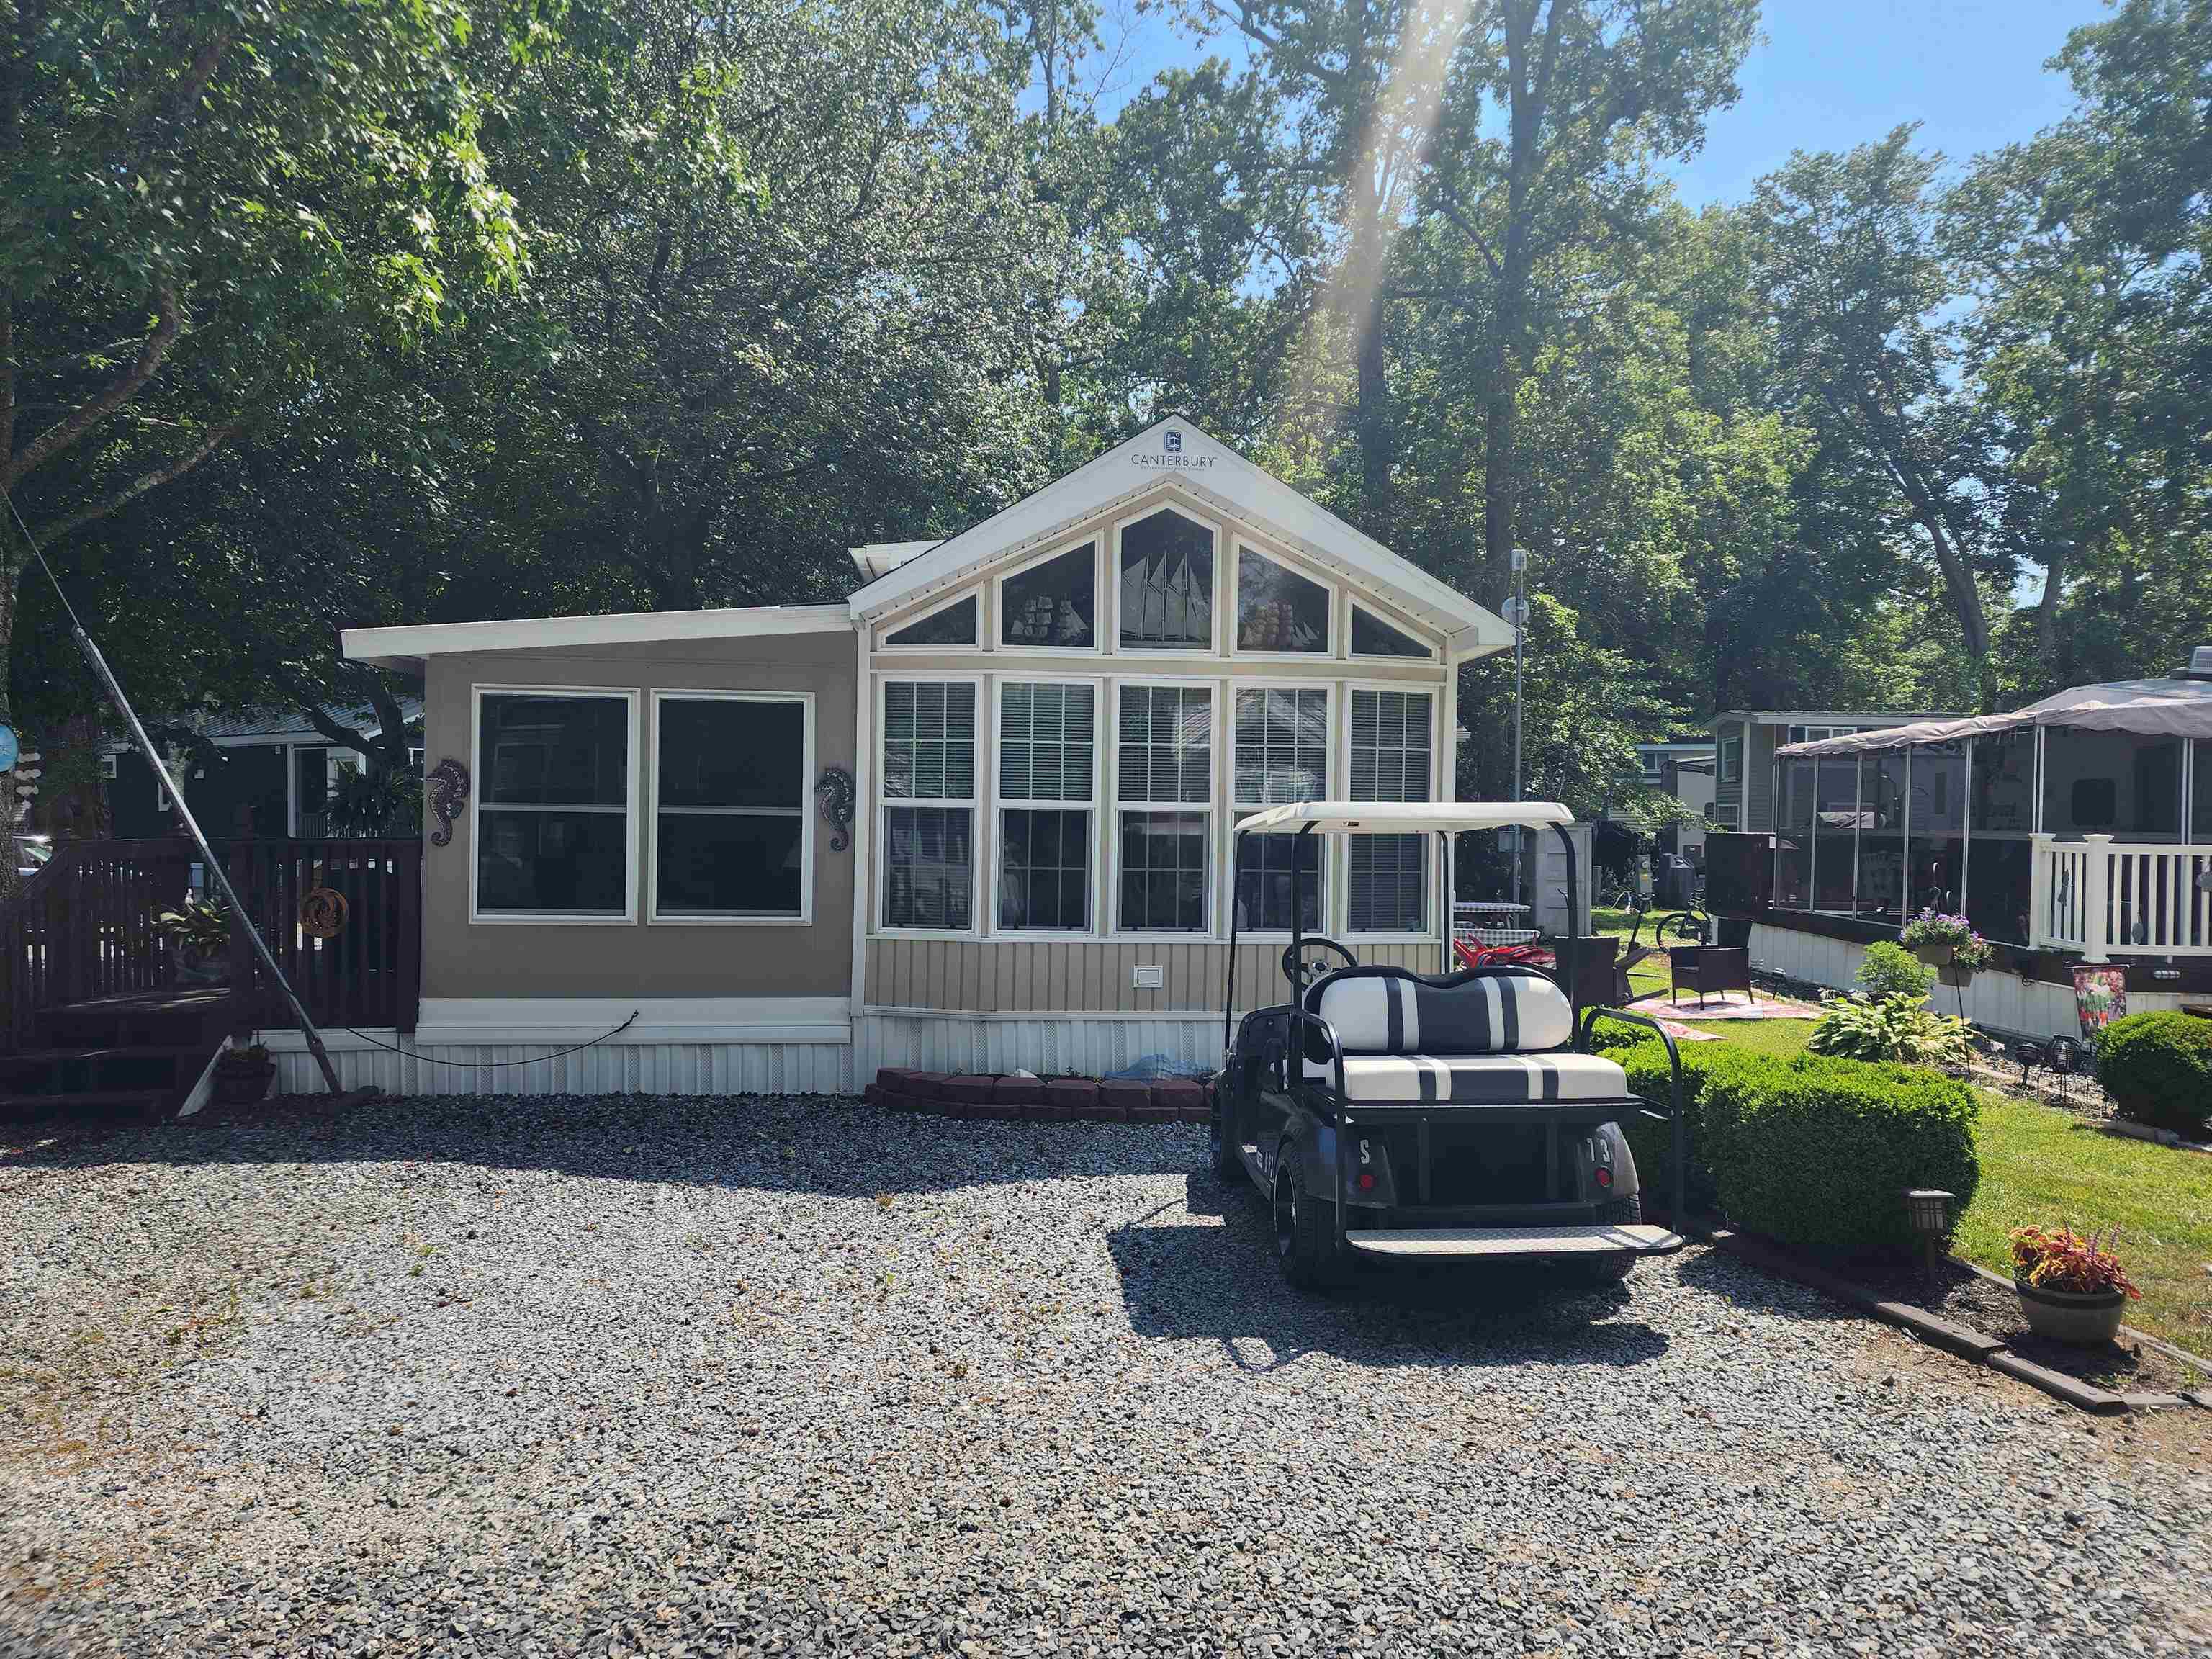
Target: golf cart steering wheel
(1302, 970)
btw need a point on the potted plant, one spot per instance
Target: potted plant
(199, 941)
(2071, 1288)
(1947, 944)
(242, 1076)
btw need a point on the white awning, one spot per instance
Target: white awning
(2164, 708)
(1339, 817)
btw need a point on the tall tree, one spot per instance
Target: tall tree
(204, 211)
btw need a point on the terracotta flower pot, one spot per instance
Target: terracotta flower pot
(2086, 1319)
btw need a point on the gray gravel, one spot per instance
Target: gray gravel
(537, 1376)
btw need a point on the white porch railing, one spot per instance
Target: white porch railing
(2098, 895)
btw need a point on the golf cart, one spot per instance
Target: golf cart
(1390, 1113)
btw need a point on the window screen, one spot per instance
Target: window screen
(553, 811)
(730, 826)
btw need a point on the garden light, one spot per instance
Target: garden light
(1930, 1210)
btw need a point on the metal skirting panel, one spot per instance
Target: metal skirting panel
(1077, 976)
(653, 1068)
(2000, 1002)
(1068, 1045)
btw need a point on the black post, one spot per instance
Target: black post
(1569, 950)
(1229, 993)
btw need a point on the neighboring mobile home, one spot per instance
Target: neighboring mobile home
(1744, 742)
(977, 817)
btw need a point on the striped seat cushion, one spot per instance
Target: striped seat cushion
(1475, 1079)
(1396, 1013)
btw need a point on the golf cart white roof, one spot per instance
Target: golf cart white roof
(1338, 818)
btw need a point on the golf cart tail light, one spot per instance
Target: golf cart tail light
(1604, 1176)
(1367, 1181)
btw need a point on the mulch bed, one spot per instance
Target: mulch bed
(1958, 1293)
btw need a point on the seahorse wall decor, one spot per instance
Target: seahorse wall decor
(836, 789)
(448, 786)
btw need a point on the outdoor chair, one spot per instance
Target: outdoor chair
(1706, 969)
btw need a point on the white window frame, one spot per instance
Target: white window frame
(1096, 806)
(632, 699)
(879, 877)
(885, 630)
(1341, 916)
(1209, 809)
(1412, 631)
(1099, 538)
(1332, 691)
(1336, 605)
(1218, 531)
(805, 918)
(1722, 772)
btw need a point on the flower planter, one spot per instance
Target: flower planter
(1933, 956)
(240, 1087)
(190, 965)
(2084, 1319)
(1953, 975)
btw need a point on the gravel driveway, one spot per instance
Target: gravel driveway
(463, 1377)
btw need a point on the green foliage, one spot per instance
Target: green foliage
(2157, 1066)
(1891, 971)
(203, 925)
(1815, 1151)
(1899, 1028)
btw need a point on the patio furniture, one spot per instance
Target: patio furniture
(1706, 969)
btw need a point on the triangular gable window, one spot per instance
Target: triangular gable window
(954, 625)
(1053, 605)
(1277, 609)
(1373, 637)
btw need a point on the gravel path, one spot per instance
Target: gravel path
(464, 1377)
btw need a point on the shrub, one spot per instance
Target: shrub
(1891, 971)
(1820, 1151)
(2158, 1069)
(1901, 1029)
(1815, 1151)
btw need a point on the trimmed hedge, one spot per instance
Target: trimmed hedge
(2158, 1069)
(1813, 1151)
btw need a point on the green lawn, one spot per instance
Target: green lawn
(2040, 1164)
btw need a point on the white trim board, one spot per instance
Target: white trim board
(562, 1020)
(405, 648)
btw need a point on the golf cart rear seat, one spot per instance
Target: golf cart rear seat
(1494, 1036)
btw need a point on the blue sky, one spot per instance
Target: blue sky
(1831, 74)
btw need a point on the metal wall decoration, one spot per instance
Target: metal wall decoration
(322, 912)
(449, 784)
(836, 789)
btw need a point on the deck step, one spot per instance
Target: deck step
(105, 1103)
(1634, 1239)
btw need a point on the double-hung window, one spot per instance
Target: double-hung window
(1392, 760)
(553, 834)
(730, 776)
(929, 805)
(1281, 754)
(1164, 784)
(1047, 758)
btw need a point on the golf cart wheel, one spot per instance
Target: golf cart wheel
(1305, 1228)
(1611, 1269)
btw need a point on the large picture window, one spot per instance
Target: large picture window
(1167, 584)
(553, 801)
(1047, 753)
(1280, 755)
(1392, 751)
(929, 810)
(729, 839)
(1163, 766)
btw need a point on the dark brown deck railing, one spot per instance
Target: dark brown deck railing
(368, 973)
(83, 926)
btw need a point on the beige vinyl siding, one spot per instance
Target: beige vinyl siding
(1009, 977)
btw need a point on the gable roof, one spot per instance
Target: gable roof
(1176, 450)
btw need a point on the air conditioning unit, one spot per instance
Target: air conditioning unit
(2200, 664)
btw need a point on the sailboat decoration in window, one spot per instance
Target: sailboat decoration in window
(1167, 583)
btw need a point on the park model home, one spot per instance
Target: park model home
(977, 817)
